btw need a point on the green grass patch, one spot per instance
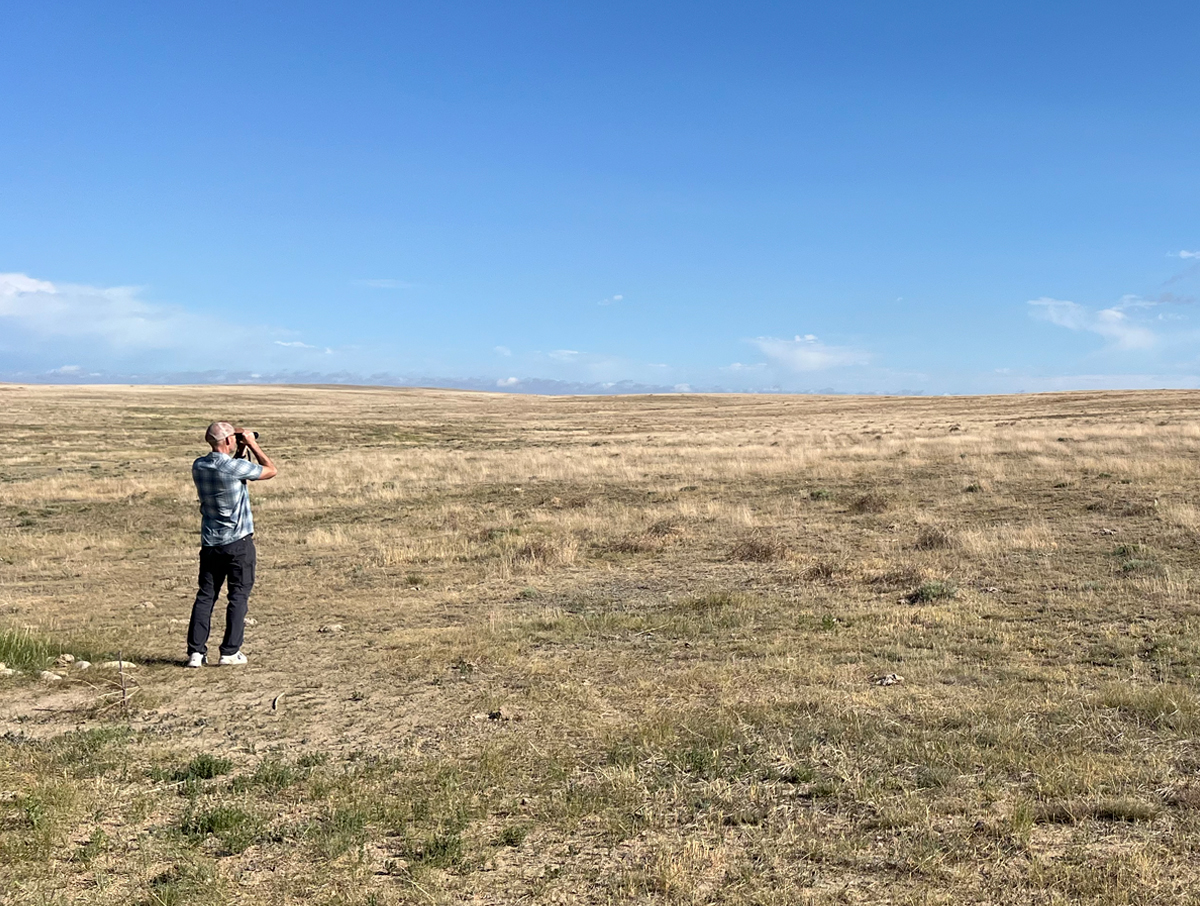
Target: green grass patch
(26, 650)
(235, 828)
(932, 591)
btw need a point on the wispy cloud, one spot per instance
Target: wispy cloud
(112, 315)
(386, 283)
(610, 300)
(564, 355)
(807, 353)
(1186, 254)
(46, 321)
(502, 350)
(1111, 323)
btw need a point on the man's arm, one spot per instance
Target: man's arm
(268, 467)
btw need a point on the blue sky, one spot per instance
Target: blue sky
(878, 197)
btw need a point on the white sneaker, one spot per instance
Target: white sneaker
(195, 659)
(232, 660)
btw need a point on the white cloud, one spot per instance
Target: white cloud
(17, 284)
(807, 353)
(114, 315)
(507, 382)
(67, 369)
(1186, 254)
(502, 350)
(610, 300)
(1111, 323)
(43, 322)
(564, 355)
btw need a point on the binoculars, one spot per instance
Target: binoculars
(243, 452)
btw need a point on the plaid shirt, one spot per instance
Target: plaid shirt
(224, 501)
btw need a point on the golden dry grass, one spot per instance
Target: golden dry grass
(607, 650)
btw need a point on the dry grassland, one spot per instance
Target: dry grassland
(608, 650)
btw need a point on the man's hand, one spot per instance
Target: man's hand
(246, 438)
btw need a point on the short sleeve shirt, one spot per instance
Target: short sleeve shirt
(224, 501)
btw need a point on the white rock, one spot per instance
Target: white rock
(64, 660)
(250, 621)
(82, 665)
(6, 671)
(49, 677)
(331, 627)
(117, 665)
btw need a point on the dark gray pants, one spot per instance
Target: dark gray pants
(232, 563)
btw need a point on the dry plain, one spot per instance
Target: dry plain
(608, 650)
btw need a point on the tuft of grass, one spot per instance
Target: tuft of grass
(512, 835)
(1162, 706)
(932, 537)
(823, 570)
(340, 830)
(182, 884)
(870, 503)
(1107, 809)
(1131, 551)
(24, 649)
(758, 550)
(711, 602)
(93, 847)
(234, 827)
(1143, 567)
(931, 591)
(21, 649)
(272, 775)
(204, 767)
(820, 494)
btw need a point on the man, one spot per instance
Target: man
(226, 537)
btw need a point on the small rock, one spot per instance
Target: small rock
(64, 660)
(82, 665)
(146, 605)
(49, 677)
(117, 665)
(6, 671)
(331, 627)
(886, 679)
(250, 621)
